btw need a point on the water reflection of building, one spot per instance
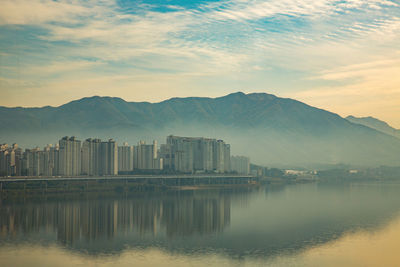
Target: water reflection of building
(172, 214)
(196, 215)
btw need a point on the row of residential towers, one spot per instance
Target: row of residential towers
(97, 158)
(94, 157)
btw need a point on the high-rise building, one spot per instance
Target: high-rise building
(227, 158)
(32, 166)
(182, 154)
(91, 155)
(43, 163)
(3, 159)
(44, 169)
(10, 160)
(125, 158)
(146, 157)
(240, 164)
(167, 156)
(109, 158)
(69, 156)
(219, 159)
(99, 157)
(45, 160)
(196, 154)
(53, 159)
(17, 168)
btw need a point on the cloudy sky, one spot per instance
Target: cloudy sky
(343, 56)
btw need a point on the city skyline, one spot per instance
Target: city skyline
(94, 157)
(342, 56)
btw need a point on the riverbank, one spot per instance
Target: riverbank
(50, 185)
(286, 180)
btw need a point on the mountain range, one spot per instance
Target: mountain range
(271, 130)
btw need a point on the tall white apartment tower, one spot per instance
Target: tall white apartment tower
(91, 154)
(146, 157)
(125, 158)
(109, 158)
(69, 156)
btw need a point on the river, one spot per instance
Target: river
(316, 224)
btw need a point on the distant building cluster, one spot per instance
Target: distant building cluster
(94, 157)
(240, 164)
(187, 154)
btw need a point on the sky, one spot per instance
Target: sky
(343, 56)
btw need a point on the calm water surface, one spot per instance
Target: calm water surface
(352, 224)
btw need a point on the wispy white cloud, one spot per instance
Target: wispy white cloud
(362, 70)
(62, 67)
(356, 4)
(39, 12)
(370, 88)
(251, 10)
(223, 44)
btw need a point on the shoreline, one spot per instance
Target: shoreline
(42, 185)
(123, 176)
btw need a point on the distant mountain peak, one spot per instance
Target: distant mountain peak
(233, 95)
(96, 97)
(241, 94)
(369, 119)
(92, 100)
(238, 93)
(376, 124)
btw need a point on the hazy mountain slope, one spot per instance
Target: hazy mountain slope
(269, 129)
(375, 124)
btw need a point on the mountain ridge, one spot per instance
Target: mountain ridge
(268, 128)
(376, 124)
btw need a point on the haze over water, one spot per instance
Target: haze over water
(318, 224)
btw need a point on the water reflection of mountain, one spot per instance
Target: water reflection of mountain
(238, 223)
